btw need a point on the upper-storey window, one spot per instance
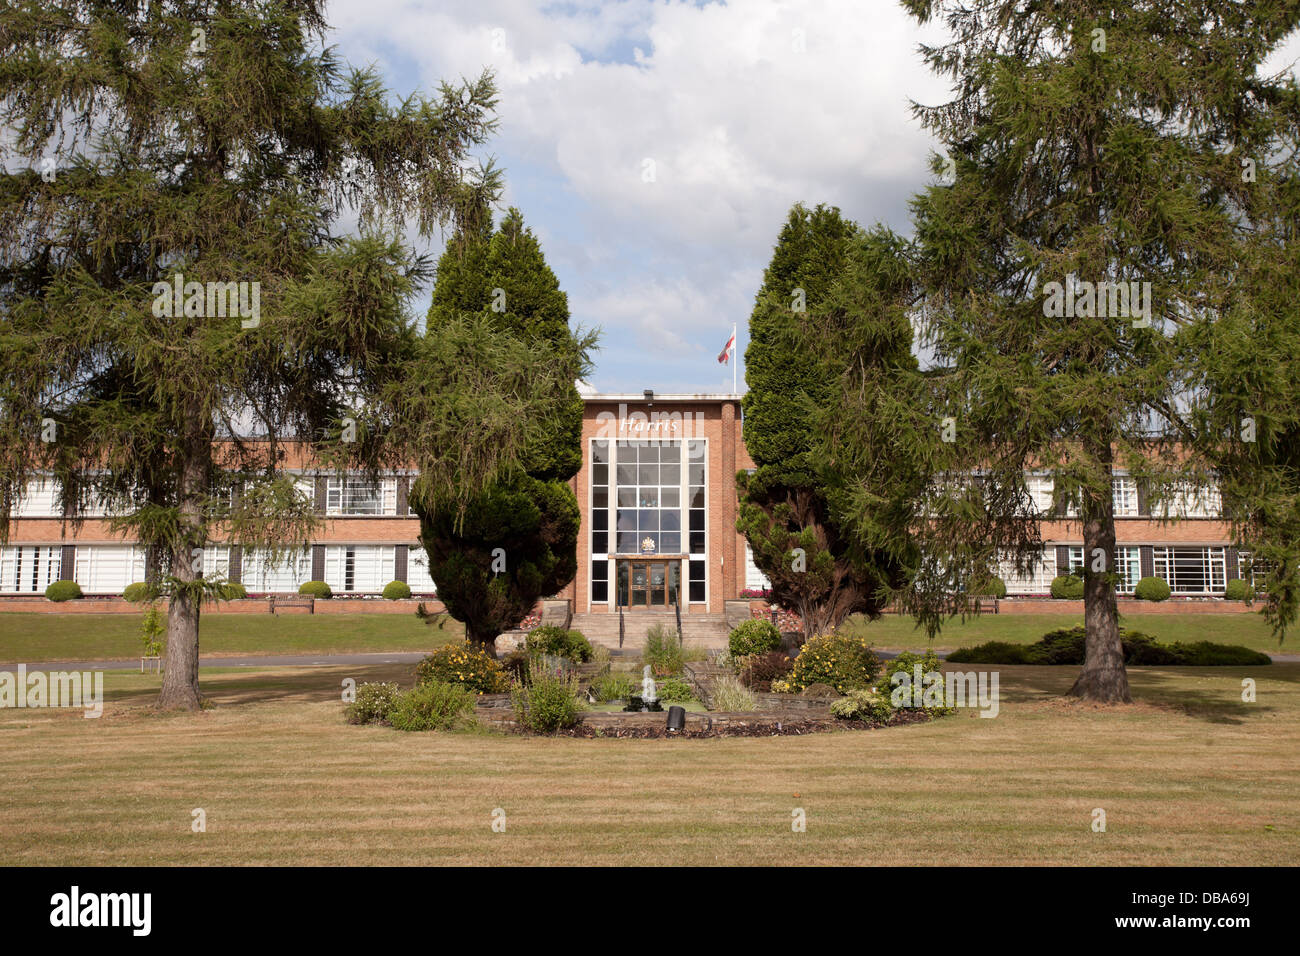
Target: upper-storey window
(357, 496)
(1124, 491)
(40, 499)
(1190, 501)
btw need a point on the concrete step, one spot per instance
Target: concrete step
(706, 630)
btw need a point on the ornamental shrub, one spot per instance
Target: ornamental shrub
(397, 591)
(1067, 587)
(994, 587)
(1067, 646)
(1152, 589)
(466, 664)
(673, 690)
(759, 671)
(317, 589)
(140, 592)
(63, 591)
(730, 694)
(609, 687)
(754, 636)
(863, 704)
(1238, 590)
(557, 642)
(433, 705)
(373, 703)
(934, 696)
(548, 704)
(838, 659)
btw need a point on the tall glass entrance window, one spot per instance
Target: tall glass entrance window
(649, 510)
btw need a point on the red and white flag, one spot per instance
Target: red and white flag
(728, 350)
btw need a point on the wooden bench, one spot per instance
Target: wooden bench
(278, 603)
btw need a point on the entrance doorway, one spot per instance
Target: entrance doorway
(648, 582)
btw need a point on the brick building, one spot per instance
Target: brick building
(657, 494)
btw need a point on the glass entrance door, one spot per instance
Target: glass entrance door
(648, 583)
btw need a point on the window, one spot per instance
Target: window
(754, 578)
(1038, 580)
(417, 571)
(261, 574)
(1040, 492)
(39, 500)
(1191, 501)
(1256, 572)
(1124, 489)
(358, 567)
(648, 504)
(1127, 563)
(108, 569)
(1190, 570)
(30, 568)
(216, 561)
(356, 496)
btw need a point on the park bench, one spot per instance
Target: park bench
(280, 603)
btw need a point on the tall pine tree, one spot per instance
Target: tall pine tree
(1092, 222)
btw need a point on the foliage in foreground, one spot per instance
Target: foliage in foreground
(665, 653)
(1066, 646)
(729, 694)
(557, 642)
(754, 636)
(549, 702)
(467, 664)
(433, 705)
(374, 702)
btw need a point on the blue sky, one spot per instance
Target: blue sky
(739, 109)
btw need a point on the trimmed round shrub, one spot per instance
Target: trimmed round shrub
(433, 706)
(754, 636)
(466, 664)
(557, 642)
(140, 591)
(317, 589)
(1067, 587)
(1238, 590)
(373, 704)
(233, 591)
(837, 659)
(993, 587)
(1152, 589)
(63, 591)
(397, 591)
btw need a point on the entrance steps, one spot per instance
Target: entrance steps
(708, 631)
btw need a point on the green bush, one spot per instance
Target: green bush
(994, 587)
(754, 636)
(905, 663)
(863, 704)
(730, 694)
(548, 704)
(838, 659)
(466, 664)
(609, 687)
(397, 591)
(63, 591)
(557, 642)
(1238, 590)
(433, 705)
(1067, 587)
(1151, 589)
(1068, 646)
(317, 589)
(373, 704)
(233, 591)
(665, 654)
(153, 631)
(140, 592)
(674, 690)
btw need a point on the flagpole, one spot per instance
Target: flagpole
(735, 348)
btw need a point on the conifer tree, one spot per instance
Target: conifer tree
(168, 144)
(517, 540)
(1091, 221)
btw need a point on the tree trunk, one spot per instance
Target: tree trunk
(484, 637)
(180, 685)
(1103, 677)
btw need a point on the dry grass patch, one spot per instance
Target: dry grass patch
(1191, 775)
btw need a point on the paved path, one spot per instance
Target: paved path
(340, 660)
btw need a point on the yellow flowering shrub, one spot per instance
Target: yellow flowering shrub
(839, 660)
(466, 664)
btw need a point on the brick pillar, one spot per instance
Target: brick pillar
(400, 552)
(403, 500)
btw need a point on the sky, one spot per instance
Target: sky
(655, 148)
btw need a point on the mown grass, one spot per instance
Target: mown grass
(1189, 775)
(1250, 630)
(53, 637)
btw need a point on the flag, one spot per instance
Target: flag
(728, 350)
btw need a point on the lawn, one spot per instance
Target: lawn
(1250, 630)
(53, 637)
(1189, 775)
